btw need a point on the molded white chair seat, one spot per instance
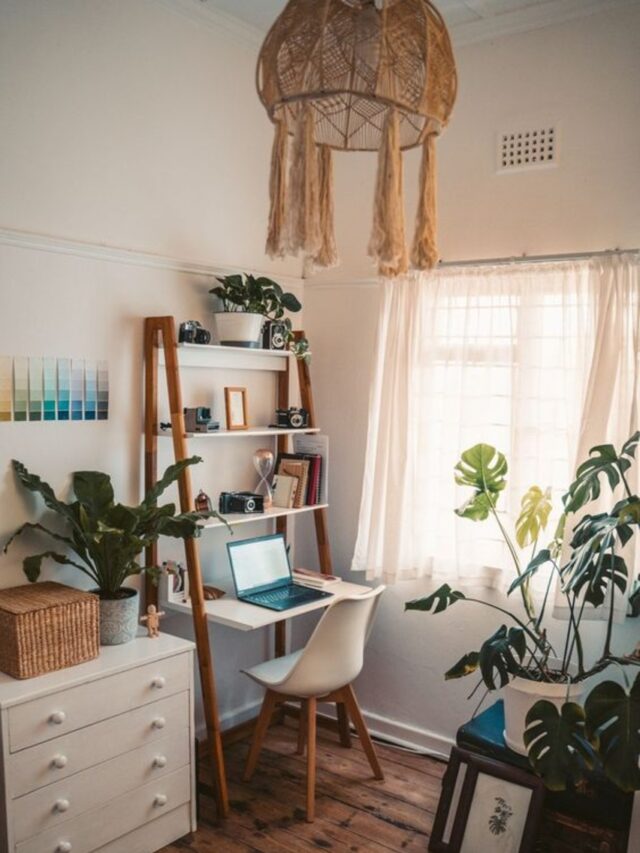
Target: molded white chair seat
(323, 670)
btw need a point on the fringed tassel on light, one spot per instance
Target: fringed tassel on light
(303, 194)
(327, 255)
(387, 244)
(276, 246)
(424, 253)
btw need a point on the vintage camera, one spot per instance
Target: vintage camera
(199, 420)
(292, 418)
(246, 502)
(274, 335)
(191, 332)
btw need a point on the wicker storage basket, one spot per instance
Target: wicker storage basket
(46, 626)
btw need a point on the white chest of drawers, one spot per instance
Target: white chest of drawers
(99, 758)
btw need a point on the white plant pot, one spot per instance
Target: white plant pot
(239, 329)
(520, 695)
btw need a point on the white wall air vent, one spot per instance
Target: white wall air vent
(533, 148)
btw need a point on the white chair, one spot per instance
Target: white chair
(322, 671)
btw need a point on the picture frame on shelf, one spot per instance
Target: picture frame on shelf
(235, 401)
(486, 805)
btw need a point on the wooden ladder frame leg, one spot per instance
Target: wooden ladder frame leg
(163, 328)
(319, 515)
(361, 728)
(312, 708)
(264, 718)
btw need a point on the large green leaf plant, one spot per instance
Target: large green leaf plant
(99, 537)
(563, 742)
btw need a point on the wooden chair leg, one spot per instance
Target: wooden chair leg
(361, 728)
(311, 759)
(302, 726)
(262, 724)
(343, 725)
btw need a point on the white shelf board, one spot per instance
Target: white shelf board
(248, 617)
(229, 358)
(235, 518)
(240, 433)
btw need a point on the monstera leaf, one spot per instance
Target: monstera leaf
(596, 576)
(442, 598)
(503, 651)
(613, 716)
(557, 743)
(465, 666)
(534, 515)
(603, 460)
(483, 468)
(543, 556)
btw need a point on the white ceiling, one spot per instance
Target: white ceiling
(468, 20)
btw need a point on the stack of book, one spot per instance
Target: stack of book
(314, 580)
(297, 480)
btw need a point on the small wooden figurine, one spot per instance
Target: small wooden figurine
(152, 619)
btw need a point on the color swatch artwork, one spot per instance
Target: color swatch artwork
(6, 387)
(49, 389)
(20, 388)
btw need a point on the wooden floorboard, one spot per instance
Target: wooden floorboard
(354, 812)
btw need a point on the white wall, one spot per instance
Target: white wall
(126, 124)
(586, 76)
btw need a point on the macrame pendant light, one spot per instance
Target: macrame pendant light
(354, 75)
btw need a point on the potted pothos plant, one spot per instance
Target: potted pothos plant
(248, 301)
(103, 539)
(547, 714)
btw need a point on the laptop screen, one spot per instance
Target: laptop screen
(258, 562)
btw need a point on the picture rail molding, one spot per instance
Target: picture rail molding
(120, 255)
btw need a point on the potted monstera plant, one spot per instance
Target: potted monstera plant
(103, 539)
(248, 301)
(549, 714)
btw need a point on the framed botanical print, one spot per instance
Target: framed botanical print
(486, 805)
(235, 400)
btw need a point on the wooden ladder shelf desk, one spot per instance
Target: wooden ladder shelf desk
(160, 334)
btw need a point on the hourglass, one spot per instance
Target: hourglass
(263, 463)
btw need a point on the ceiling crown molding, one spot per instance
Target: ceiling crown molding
(532, 18)
(215, 19)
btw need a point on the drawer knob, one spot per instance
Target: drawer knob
(64, 847)
(159, 682)
(61, 805)
(59, 761)
(160, 800)
(160, 761)
(159, 723)
(57, 718)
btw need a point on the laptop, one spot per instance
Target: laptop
(262, 574)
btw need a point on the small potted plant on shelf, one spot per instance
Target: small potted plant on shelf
(247, 302)
(105, 539)
(546, 713)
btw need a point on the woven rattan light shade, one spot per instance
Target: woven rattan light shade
(352, 63)
(354, 75)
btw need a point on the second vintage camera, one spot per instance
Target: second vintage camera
(292, 418)
(246, 502)
(199, 420)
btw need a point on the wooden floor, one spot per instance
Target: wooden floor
(355, 813)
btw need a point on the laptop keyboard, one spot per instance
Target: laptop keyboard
(276, 595)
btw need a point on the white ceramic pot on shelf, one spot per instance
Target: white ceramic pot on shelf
(521, 694)
(239, 328)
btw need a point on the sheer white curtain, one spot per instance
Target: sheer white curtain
(539, 360)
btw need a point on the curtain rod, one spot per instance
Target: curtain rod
(536, 259)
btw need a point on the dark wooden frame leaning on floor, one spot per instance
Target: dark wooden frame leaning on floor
(474, 766)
